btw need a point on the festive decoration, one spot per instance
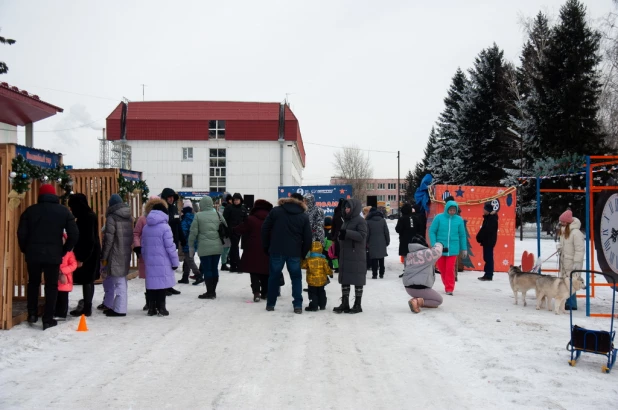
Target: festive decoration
(127, 187)
(501, 194)
(23, 173)
(15, 199)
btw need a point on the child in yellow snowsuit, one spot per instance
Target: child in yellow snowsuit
(318, 272)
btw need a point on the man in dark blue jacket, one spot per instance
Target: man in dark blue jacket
(286, 237)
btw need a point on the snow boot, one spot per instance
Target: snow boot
(146, 307)
(32, 318)
(152, 308)
(345, 305)
(256, 297)
(224, 267)
(161, 305)
(198, 280)
(357, 305)
(51, 323)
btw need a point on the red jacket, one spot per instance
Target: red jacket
(68, 266)
(253, 259)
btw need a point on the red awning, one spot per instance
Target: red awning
(18, 107)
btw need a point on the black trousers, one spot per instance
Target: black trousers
(50, 271)
(259, 284)
(234, 255)
(62, 304)
(375, 263)
(317, 297)
(488, 257)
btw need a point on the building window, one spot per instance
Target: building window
(187, 154)
(403, 187)
(392, 197)
(382, 186)
(217, 170)
(369, 187)
(392, 186)
(216, 129)
(381, 197)
(187, 180)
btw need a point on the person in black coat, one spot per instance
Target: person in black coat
(407, 228)
(487, 238)
(171, 197)
(337, 223)
(87, 252)
(286, 238)
(235, 215)
(39, 234)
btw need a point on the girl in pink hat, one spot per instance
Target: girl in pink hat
(572, 247)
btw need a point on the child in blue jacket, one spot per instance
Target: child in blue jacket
(189, 263)
(448, 229)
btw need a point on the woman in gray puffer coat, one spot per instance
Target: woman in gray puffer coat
(378, 240)
(419, 274)
(116, 255)
(352, 259)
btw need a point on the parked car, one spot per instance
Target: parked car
(394, 215)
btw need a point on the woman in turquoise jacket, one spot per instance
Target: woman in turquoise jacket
(448, 229)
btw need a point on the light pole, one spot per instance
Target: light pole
(521, 174)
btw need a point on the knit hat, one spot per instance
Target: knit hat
(187, 203)
(419, 240)
(566, 217)
(47, 189)
(114, 200)
(488, 207)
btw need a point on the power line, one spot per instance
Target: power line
(353, 148)
(65, 129)
(71, 92)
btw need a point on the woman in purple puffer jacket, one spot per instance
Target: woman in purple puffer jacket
(160, 258)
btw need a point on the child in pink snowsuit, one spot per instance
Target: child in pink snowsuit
(65, 283)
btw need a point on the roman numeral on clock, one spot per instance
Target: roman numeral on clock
(605, 232)
(605, 216)
(608, 245)
(612, 256)
(611, 207)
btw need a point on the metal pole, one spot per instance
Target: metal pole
(398, 183)
(520, 199)
(538, 218)
(588, 222)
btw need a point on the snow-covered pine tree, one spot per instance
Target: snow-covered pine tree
(441, 162)
(483, 145)
(572, 86)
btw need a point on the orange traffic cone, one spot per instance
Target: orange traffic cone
(82, 327)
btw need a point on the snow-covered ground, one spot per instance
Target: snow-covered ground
(478, 350)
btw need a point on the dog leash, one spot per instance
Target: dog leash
(536, 268)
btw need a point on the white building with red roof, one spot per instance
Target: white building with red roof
(201, 147)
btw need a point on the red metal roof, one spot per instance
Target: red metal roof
(188, 120)
(19, 107)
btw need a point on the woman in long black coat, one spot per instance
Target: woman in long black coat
(337, 223)
(87, 251)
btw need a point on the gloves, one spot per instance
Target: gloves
(63, 279)
(174, 267)
(464, 254)
(138, 251)
(342, 235)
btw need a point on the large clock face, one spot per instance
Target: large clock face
(609, 232)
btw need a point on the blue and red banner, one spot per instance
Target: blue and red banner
(326, 196)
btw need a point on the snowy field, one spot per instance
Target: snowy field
(478, 350)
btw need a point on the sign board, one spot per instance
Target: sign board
(199, 194)
(503, 202)
(326, 196)
(43, 159)
(131, 175)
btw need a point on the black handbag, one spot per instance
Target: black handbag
(223, 230)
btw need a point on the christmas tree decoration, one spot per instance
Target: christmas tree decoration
(126, 187)
(23, 172)
(13, 175)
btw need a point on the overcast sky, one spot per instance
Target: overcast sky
(358, 72)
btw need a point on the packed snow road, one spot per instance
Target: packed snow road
(476, 350)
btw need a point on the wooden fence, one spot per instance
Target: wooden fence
(97, 184)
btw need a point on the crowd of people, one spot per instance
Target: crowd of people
(64, 245)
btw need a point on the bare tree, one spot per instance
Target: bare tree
(608, 101)
(354, 168)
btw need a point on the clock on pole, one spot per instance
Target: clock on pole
(606, 231)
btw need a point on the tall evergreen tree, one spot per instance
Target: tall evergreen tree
(441, 162)
(410, 187)
(3, 67)
(572, 86)
(482, 122)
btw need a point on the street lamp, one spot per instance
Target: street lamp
(521, 174)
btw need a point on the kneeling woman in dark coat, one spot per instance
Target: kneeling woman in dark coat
(254, 260)
(352, 260)
(87, 251)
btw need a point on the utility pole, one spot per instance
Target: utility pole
(143, 86)
(521, 174)
(398, 185)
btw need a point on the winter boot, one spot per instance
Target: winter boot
(224, 267)
(345, 305)
(146, 307)
(210, 289)
(256, 297)
(198, 280)
(50, 323)
(161, 305)
(32, 318)
(357, 305)
(382, 273)
(185, 279)
(151, 302)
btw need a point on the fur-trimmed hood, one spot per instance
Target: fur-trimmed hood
(153, 202)
(292, 205)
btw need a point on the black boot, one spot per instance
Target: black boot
(210, 293)
(198, 280)
(185, 278)
(50, 323)
(357, 305)
(32, 318)
(224, 267)
(161, 304)
(146, 306)
(344, 307)
(152, 303)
